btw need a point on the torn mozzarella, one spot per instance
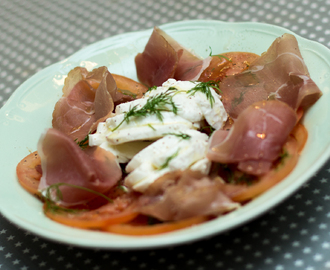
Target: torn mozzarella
(124, 152)
(146, 128)
(170, 153)
(192, 106)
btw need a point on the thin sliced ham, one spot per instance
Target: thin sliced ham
(165, 58)
(184, 194)
(280, 73)
(63, 161)
(88, 98)
(157, 62)
(256, 138)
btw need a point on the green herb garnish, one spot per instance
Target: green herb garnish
(83, 143)
(181, 135)
(127, 93)
(155, 105)
(204, 87)
(151, 88)
(283, 156)
(53, 206)
(234, 176)
(167, 161)
(208, 129)
(149, 125)
(237, 100)
(219, 55)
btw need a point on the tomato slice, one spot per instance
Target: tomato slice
(28, 171)
(226, 64)
(127, 84)
(273, 177)
(121, 210)
(300, 133)
(140, 230)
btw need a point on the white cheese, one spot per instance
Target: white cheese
(202, 165)
(145, 128)
(146, 142)
(124, 152)
(170, 153)
(193, 107)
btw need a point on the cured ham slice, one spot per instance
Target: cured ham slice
(63, 161)
(189, 66)
(88, 98)
(164, 58)
(157, 62)
(184, 194)
(256, 138)
(280, 74)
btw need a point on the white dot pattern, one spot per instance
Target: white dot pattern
(37, 33)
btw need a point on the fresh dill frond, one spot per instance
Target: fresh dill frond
(55, 208)
(238, 100)
(127, 93)
(149, 125)
(181, 135)
(208, 129)
(51, 203)
(219, 55)
(204, 87)
(233, 176)
(155, 105)
(151, 88)
(282, 159)
(83, 143)
(167, 161)
(284, 155)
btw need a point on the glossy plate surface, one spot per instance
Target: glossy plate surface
(29, 111)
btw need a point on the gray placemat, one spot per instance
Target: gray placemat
(37, 33)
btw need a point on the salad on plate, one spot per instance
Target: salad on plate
(194, 139)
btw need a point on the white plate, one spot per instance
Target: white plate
(28, 112)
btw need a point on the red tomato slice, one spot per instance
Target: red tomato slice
(129, 229)
(121, 210)
(273, 177)
(28, 171)
(300, 133)
(124, 83)
(227, 64)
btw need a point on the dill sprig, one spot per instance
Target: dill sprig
(208, 129)
(51, 203)
(181, 135)
(219, 55)
(282, 158)
(204, 87)
(234, 176)
(83, 143)
(151, 89)
(127, 93)
(167, 161)
(155, 105)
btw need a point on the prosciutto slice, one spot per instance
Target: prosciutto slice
(256, 138)
(165, 58)
(280, 73)
(63, 161)
(184, 194)
(157, 62)
(88, 98)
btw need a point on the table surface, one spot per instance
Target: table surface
(37, 33)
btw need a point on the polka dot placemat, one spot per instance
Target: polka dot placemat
(37, 33)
